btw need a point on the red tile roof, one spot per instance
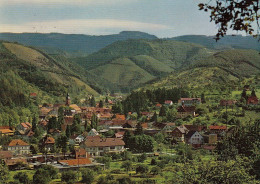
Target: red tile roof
(105, 142)
(168, 102)
(49, 140)
(158, 105)
(18, 142)
(215, 127)
(120, 117)
(26, 125)
(33, 94)
(10, 162)
(186, 109)
(6, 154)
(75, 162)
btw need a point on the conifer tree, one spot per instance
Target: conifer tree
(101, 104)
(92, 102)
(139, 129)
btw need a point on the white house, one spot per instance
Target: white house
(100, 146)
(18, 147)
(93, 132)
(76, 139)
(194, 137)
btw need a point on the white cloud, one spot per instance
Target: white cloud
(89, 26)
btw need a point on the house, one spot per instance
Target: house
(18, 147)
(24, 127)
(194, 138)
(13, 163)
(168, 102)
(44, 112)
(81, 153)
(48, 143)
(33, 95)
(5, 155)
(76, 108)
(120, 117)
(227, 102)
(212, 139)
(119, 135)
(6, 131)
(55, 132)
(97, 147)
(73, 163)
(93, 132)
(184, 111)
(158, 106)
(179, 133)
(76, 139)
(189, 101)
(215, 129)
(169, 127)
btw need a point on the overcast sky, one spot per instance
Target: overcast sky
(163, 18)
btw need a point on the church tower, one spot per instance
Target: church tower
(67, 100)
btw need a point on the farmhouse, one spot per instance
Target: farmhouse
(184, 111)
(18, 147)
(97, 147)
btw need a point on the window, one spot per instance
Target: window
(112, 147)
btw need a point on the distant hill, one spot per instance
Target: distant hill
(29, 70)
(227, 42)
(75, 44)
(131, 63)
(223, 68)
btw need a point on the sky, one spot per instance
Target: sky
(163, 18)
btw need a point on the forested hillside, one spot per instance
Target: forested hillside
(132, 63)
(35, 71)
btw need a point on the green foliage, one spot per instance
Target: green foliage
(105, 160)
(92, 102)
(139, 129)
(52, 172)
(127, 165)
(155, 170)
(232, 171)
(141, 143)
(3, 172)
(68, 177)
(142, 157)
(233, 15)
(41, 176)
(62, 143)
(88, 176)
(141, 168)
(101, 104)
(243, 141)
(22, 177)
(162, 111)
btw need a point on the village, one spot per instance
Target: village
(68, 137)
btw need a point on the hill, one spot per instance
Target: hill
(221, 70)
(27, 70)
(130, 64)
(149, 59)
(227, 42)
(74, 44)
